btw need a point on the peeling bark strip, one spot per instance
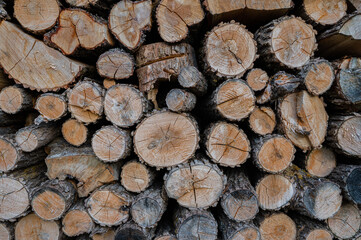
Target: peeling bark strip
(115, 64)
(20, 54)
(3, 13)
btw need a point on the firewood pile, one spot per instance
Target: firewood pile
(180, 119)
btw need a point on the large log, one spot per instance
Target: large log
(136, 177)
(277, 226)
(77, 221)
(115, 64)
(14, 99)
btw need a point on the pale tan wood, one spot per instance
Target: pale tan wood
(136, 177)
(14, 99)
(108, 83)
(320, 162)
(325, 12)
(77, 221)
(257, 79)
(6, 231)
(74, 132)
(278, 226)
(115, 64)
(3, 13)
(108, 235)
(4, 80)
(51, 106)
(179, 100)
(262, 120)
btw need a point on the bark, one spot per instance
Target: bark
(179, 100)
(257, 79)
(165, 230)
(14, 99)
(130, 230)
(136, 177)
(230, 230)
(262, 120)
(309, 229)
(51, 107)
(101, 233)
(319, 162)
(276, 226)
(115, 64)
(193, 80)
(74, 132)
(3, 13)
(283, 83)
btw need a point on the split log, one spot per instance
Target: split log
(3, 13)
(78, 29)
(51, 106)
(166, 139)
(278, 226)
(130, 230)
(149, 206)
(320, 162)
(14, 99)
(81, 164)
(10, 120)
(230, 230)
(229, 50)
(165, 230)
(262, 120)
(21, 54)
(77, 221)
(108, 83)
(16, 189)
(7, 231)
(103, 234)
(175, 17)
(85, 101)
(111, 144)
(324, 12)
(309, 229)
(35, 15)
(227, 145)
(129, 20)
(74, 132)
(136, 177)
(33, 227)
(343, 134)
(239, 201)
(346, 223)
(179, 100)
(115, 64)
(52, 199)
(197, 184)
(257, 79)
(109, 205)
(304, 120)
(124, 105)
(34, 136)
(195, 224)
(193, 80)
(288, 41)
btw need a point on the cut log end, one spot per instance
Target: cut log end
(325, 12)
(318, 77)
(347, 136)
(51, 106)
(241, 205)
(136, 177)
(14, 99)
(262, 120)
(115, 64)
(9, 155)
(193, 80)
(257, 79)
(77, 222)
(74, 132)
(278, 226)
(179, 100)
(319, 234)
(320, 162)
(48, 205)
(5, 232)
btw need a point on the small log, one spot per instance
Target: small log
(33, 227)
(257, 79)
(309, 229)
(85, 101)
(174, 18)
(165, 230)
(262, 120)
(136, 177)
(14, 99)
(273, 153)
(16, 189)
(108, 83)
(52, 199)
(74, 132)
(103, 234)
(179, 100)
(115, 64)
(51, 106)
(324, 12)
(111, 144)
(124, 105)
(197, 184)
(7, 231)
(193, 80)
(130, 230)
(166, 139)
(34, 136)
(21, 54)
(77, 221)
(278, 40)
(239, 201)
(149, 206)
(78, 29)
(128, 21)
(36, 16)
(231, 230)
(304, 120)
(277, 226)
(346, 222)
(343, 134)
(233, 100)
(229, 50)
(227, 145)
(195, 224)
(109, 205)
(320, 162)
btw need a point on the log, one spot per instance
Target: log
(197, 184)
(130, 230)
(278, 226)
(74, 132)
(16, 189)
(109, 205)
(128, 22)
(36, 16)
(85, 101)
(320, 162)
(14, 99)
(81, 164)
(227, 145)
(79, 30)
(166, 139)
(239, 201)
(52, 199)
(324, 12)
(21, 54)
(343, 134)
(149, 206)
(195, 224)
(346, 222)
(309, 229)
(105, 234)
(165, 230)
(35, 136)
(283, 83)
(257, 79)
(115, 64)
(77, 221)
(111, 144)
(174, 18)
(179, 100)
(7, 231)
(33, 227)
(265, 95)
(136, 177)
(124, 105)
(273, 153)
(303, 120)
(51, 106)
(229, 50)
(193, 80)
(262, 120)
(287, 41)
(230, 230)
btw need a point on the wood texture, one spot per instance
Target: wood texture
(74, 132)
(257, 79)
(320, 162)
(14, 99)
(278, 226)
(262, 120)
(179, 100)
(115, 64)
(136, 177)
(325, 12)
(77, 221)
(51, 106)
(193, 80)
